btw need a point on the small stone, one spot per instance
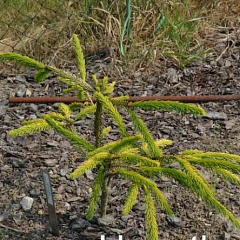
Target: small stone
(3, 107)
(40, 212)
(228, 63)
(26, 203)
(19, 163)
(67, 206)
(28, 93)
(79, 224)
(3, 217)
(50, 162)
(165, 235)
(58, 196)
(32, 117)
(73, 217)
(227, 236)
(126, 217)
(139, 207)
(175, 165)
(74, 199)
(107, 220)
(216, 115)
(89, 175)
(172, 75)
(20, 78)
(53, 143)
(117, 231)
(174, 221)
(1, 184)
(187, 72)
(229, 227)
(61, 188)
(16, 206)
(78, 191)
(5, 168)
(237, 237)
(63, 172)
(165, 179)
(35, 192)
(33, 107)
(17, 218)
(20, 92)
(32, 145)
(230, 123)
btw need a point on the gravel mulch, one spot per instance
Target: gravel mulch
(22, 159)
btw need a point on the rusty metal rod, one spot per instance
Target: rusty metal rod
(186, 99)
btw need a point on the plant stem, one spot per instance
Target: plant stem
(104, 197)
(98, 125)
(106, 181)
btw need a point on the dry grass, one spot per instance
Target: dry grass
(44, 32)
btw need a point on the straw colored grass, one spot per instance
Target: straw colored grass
(44, 32)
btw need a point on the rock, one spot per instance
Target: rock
(20, 78)
(17, 217)
(237, 237)
(1, 184)
(28, 93)
(78, 191)
(89, 175)
(117, 231)
(227, 236)
(32, 145)
(230, 123)
(61, 188)
(174, 221)
(20, 92)
(33, 107)
(5, 168)
(16, 206)
(228, 63)
(13, 154)
(175, 165)
(63, 172)
(229, 227)
(74, 199)
(3, 217)
(26, 203)
(67, 206)
(165, 235)
(19, 163)
(172, 75)
(50, 162)
(79, 224)
(216, 115)
(107, 220)
(35, 192)
(32, 117)
(73, 217)
(58, 196)
(187, 72)
(126, 217)
(3, 107)
(53, 143)
(165, 179)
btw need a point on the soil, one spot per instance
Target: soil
(22, 159)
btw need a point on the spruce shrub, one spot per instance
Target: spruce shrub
(138, 158)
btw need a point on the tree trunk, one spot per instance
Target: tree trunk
(104, 197)
(98, 125)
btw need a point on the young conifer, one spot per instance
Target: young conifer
(138, 158)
